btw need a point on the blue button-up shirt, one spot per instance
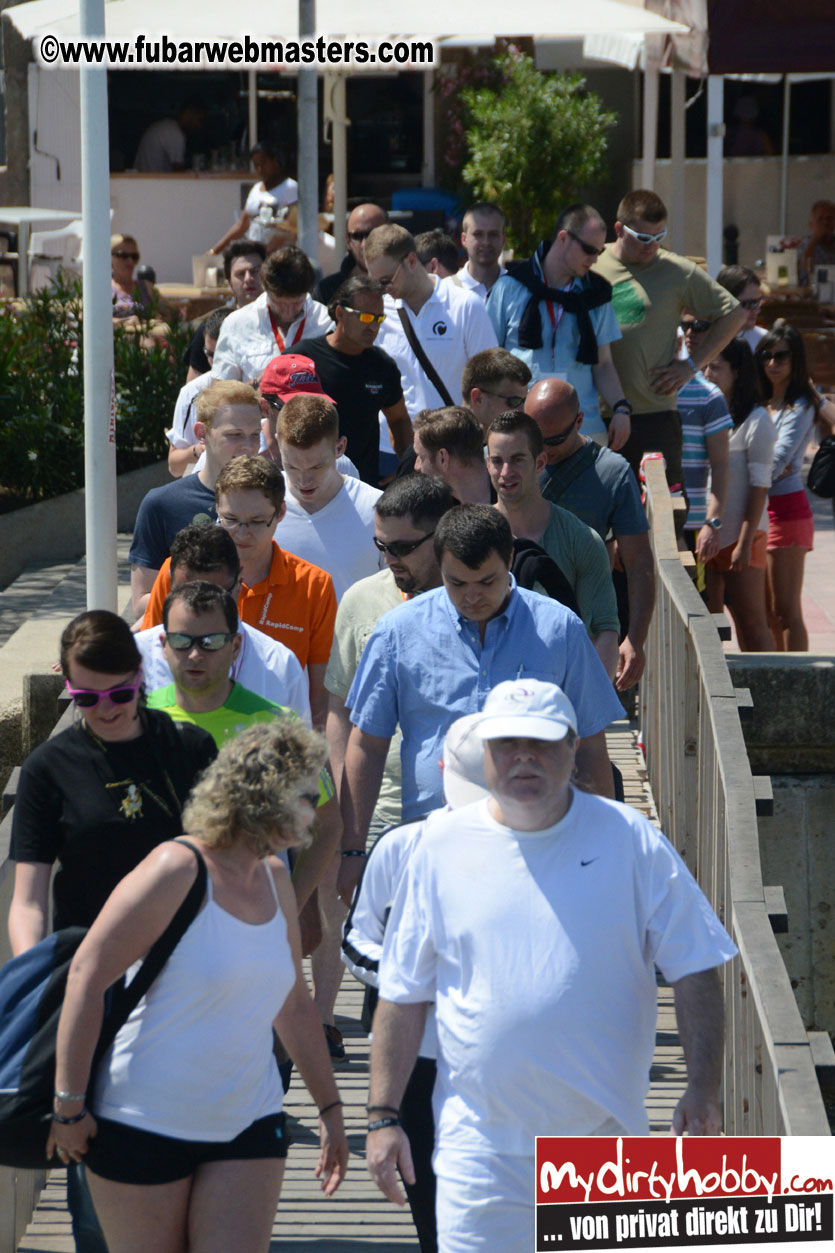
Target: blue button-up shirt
(424, 666)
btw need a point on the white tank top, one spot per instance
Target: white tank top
(195, 1059)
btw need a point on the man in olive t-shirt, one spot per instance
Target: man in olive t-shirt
(650, 288)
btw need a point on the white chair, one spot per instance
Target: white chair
(51, 251)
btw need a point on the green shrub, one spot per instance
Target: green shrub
(42, 392)
(534, 141)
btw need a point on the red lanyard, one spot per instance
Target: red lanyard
(279, 338)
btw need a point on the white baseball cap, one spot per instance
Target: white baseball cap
(527, 708)
(464, 763)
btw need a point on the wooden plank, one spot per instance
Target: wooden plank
(744, 704)
(763, 796)
(778, 915)
(722, 625)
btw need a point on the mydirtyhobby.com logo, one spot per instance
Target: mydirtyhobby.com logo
(653, 1192)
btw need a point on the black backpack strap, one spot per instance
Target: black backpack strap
(127, 998)
(423, 361)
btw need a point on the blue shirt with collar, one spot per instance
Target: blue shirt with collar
(557, 358)
(424, 666)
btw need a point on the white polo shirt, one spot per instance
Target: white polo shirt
(451, 326)
(338, 538)
(263, 665)
(246, 344)
(466, 280)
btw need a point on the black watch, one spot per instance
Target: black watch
(714, 523)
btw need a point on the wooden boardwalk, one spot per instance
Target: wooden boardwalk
(358, 1217)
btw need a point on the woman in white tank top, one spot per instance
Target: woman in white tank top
(188, 1147)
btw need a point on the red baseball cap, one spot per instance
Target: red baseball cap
(292, 375)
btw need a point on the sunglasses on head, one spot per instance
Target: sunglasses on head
(784, 354)
(366, 318)
(402, 547)
(126, 256)
(643, 238)
(358, 236)
(89, 697)
(696, 325)
(211, 643)
(589, 249)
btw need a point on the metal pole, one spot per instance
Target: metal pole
(252, 104)
(677, 160)
(784, 156)
(308, 132)
(715, 146)
(651, 76)
(99, 402)
(339, 150)
(428, 128)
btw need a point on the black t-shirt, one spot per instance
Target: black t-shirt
(361, 386)
(99, 809)
(327, 287)
(165, 511)
(195, 354)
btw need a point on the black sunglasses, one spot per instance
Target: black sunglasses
(553, 441)
(752, 304)
(697, 326)
(211, 643)
(588, 249)
(402, 547)
(783, 355)
(126, 256)
(358, 236)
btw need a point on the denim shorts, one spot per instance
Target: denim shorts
(127, 1155)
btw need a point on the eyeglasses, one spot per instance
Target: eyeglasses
(252, 524)
(387, 282)
(752, 304)
(88, 698)
(402, 547)
(126, 256)
(366, 318)
(212, 643)
(554, 441)
(643, 238)
(275, 402)
(588, 249)
(784, 354)
(358, 236)
(512, 402)
(697, 325)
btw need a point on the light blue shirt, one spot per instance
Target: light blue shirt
(794, 430)
(557, 358)
(424, 666)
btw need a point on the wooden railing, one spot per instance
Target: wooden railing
(707, 803)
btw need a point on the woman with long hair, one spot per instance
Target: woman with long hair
(793, 405)
(183, 1130)
(736, 574)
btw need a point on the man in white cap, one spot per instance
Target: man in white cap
(463, 782)
(534, 921)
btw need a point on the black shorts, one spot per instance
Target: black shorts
(126, 1155)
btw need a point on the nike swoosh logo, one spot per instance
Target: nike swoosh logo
(588, 863)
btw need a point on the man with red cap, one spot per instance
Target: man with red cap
(360, 378)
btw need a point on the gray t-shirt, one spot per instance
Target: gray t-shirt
(597, 486)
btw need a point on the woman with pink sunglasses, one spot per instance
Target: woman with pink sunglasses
(96, 799)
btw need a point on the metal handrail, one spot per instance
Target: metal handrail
(704, 792)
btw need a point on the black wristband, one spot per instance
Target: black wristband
(332, 1105)
(380, 1123)
(622, 404)
(353, 852)
(392, 1109)
(68, 1122)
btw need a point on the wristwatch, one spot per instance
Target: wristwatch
(714, 523)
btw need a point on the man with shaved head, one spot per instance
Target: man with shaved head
(361, 222)
(598, 486)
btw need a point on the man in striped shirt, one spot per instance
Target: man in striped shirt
(705, 423)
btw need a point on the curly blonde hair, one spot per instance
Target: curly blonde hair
(250, 792)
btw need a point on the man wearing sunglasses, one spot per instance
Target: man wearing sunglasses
(359, 377)
(493, 382)
(557, 316)
(361, 222)
(650, 288)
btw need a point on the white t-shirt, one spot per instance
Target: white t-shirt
(750, 464)
(365, 925)
(279, 197)
(181, 433)
(451, 326)
(539, 950)
(162, 146)
(265, 666)
(338, 538)
(246, 344)
(466, 280)
(753, 337)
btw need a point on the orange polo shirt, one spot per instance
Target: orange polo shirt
(295, 604)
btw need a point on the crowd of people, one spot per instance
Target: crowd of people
(402, 569)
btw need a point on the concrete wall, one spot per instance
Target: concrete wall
(791, 737)
(53, 530)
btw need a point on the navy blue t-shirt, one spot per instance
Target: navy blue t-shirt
(165, 511)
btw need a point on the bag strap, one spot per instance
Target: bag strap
(128, 998)
(581, 462)
(423, 361)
